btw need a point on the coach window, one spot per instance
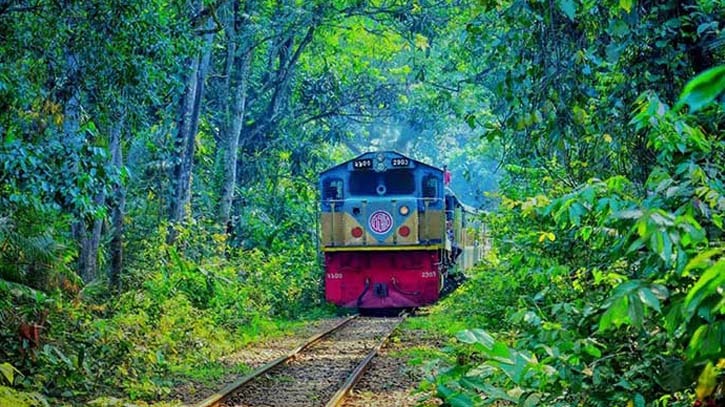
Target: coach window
(430, 186)
(332, 189)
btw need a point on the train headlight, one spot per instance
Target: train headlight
(404, 231)
(404, 210)
(356, 232)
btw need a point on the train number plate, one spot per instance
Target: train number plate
(334, 276)
(429, 274)
(363, 164)
(400, 162)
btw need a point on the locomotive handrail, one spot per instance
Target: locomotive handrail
(365, 215)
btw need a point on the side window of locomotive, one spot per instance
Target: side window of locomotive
(332, 189)
(430, 186)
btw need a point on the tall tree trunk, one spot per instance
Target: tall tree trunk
(84, 237)
(239, 71)
(187, 128)
(92, 243)
(117, 207)
(184, 145)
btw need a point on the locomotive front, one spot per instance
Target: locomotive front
(382, 231)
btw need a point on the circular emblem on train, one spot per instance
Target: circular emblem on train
(380, 222)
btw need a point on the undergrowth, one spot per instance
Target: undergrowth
(601, 295)
(183, 311)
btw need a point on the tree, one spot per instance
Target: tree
(187, 124)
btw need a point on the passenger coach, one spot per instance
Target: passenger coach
(390, 232)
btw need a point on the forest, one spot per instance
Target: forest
(159, 203)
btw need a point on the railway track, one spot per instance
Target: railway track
(318, 373)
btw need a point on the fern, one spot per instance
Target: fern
(34, 260)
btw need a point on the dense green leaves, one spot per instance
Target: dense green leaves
(607, 264)
(703, 89)
(617, 276)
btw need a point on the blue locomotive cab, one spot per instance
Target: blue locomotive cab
(382, 199)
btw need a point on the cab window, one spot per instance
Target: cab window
(430, 186)
(391, 182)
(332, 189)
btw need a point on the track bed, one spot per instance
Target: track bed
(315, 375)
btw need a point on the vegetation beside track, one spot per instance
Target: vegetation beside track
(185, 313)
(599, 295)
(159, 160)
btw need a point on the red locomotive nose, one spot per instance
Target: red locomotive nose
(404, 231)
(356, 232)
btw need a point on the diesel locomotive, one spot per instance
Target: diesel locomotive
(391, 232)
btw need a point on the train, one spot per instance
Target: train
(392, 232)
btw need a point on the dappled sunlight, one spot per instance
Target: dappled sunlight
(188, 187)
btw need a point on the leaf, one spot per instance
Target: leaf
(471, 336)
(626, 5)
(671, 376)
(501, 353)
(547, 236)
(707, 341)
(703, 89)
(706, 382)
(461, 400)
(628, 214)
(705, 27)
(453, 397)
(471, 121)
(576, 210)
(619, 28)
(635, 311)
(489, 390)
(569, 8)
(712, 279)
(421, 42)
(616, 314)
(531, 400)
(702, 260)
(639, 400)
(8, 371)
(592, 350)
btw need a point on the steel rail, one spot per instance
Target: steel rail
(216, 398)
(356, 374)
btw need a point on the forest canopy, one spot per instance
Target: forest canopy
(158, 176)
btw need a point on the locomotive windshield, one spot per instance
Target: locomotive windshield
(391, 182)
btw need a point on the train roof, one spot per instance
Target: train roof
(374, 154)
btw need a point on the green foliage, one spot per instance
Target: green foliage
(12, 397)
(609, 231)
(617, 294)
(703, 89)
(8, 372)
(188, 306)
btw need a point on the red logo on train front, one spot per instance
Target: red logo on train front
(380, 222)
